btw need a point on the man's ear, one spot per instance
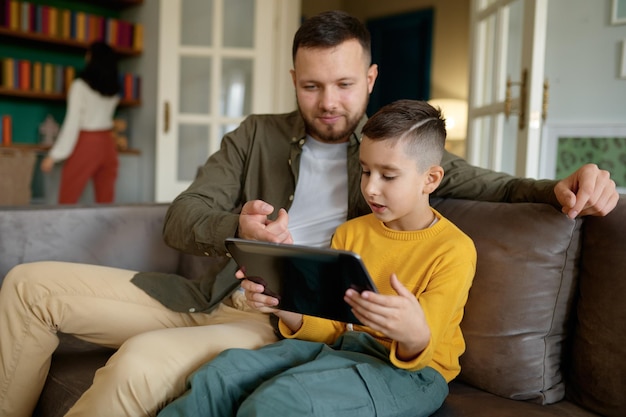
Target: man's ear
(372, 73)
(434, 176)
(293, 76)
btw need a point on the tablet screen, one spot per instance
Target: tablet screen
(304, 279)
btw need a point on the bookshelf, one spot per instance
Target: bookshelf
(37, 95)
(36, 37)
(57, 33)
(61, 43)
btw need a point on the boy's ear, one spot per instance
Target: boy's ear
(433, 178)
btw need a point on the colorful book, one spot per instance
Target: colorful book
(14, 15)
(7, 130)
(37, 81)
(128, 86)
(24, 77)
(7, 73)
(48, 78)
(70, 74)
(64, 23)
(138, 37)
(53, 21)
(58, 79)
(45, 20)
(111, 31)
(81, 25)
(38, 19)
(24, 16)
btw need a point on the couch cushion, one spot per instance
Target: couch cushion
(467, 401)
(74, 364)
(598, 372)
(517, 313)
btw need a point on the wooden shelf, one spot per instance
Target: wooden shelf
(70, 43)
(119, 3)
(38, 95)
(42, 148)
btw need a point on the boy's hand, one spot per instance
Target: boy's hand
(254, 224)
(399, 317)
(265, 303)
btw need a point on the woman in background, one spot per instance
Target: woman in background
(86, 137)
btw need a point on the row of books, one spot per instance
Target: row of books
(47, 78)
(25, 16)
(131, 86)
(39, 77)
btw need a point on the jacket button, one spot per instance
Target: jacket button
(192, 310)
(291, 197)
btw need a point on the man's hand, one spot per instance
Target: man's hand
(588, 191)
(254, 224)
(399, 317)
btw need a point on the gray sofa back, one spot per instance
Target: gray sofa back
(124, 236)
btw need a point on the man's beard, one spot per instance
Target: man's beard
(328, 134)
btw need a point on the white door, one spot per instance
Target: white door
(507, 53)
(219, 60)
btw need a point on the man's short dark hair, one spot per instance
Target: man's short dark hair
(329, 29)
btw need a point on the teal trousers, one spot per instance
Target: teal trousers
(353, 377)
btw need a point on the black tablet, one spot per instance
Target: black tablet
(305, 279)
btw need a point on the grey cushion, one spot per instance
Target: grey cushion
(516, 316)
(124, 236)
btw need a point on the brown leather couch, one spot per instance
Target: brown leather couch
(545, 323)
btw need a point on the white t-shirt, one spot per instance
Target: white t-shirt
(86, 110)
(320, 202)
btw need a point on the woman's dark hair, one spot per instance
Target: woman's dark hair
(101, 72)
(329, 29)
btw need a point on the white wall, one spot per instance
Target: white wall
(582, 57)
(142, 124)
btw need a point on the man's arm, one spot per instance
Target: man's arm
(206, 213)
(588, 191)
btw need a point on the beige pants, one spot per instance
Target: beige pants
(158, 348)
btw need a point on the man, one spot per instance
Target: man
(305, 163)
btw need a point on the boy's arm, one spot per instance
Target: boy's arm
(442, 302)
(314, 329)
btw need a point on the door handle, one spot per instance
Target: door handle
(522, 99)
(544, 103)
(166, 117)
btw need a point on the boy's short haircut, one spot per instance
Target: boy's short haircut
(419, 125)
(329, 29)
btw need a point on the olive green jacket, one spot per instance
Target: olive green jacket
(260, 160)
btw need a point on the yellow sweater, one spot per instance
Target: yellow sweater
(436, 264)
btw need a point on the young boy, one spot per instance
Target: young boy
(400, 360)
